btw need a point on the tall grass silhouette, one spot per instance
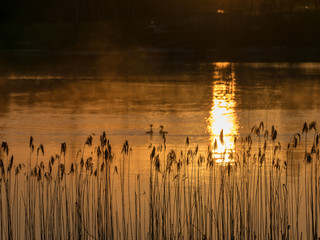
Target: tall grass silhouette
(255, 192)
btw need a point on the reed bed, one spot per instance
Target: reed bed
(258, 190)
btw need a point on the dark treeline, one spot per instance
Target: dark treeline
(105, 24)
(121, 10)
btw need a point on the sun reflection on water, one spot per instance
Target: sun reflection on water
(222, 114)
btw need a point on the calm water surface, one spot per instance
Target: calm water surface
(194, 100)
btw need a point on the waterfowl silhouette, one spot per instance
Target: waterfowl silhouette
(151, 131)
(161, 130)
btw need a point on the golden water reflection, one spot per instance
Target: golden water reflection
(222, 114)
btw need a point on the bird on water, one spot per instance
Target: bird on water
(162, 131)
(151, 131)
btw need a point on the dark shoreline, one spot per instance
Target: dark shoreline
(204, 37)
(253, 54)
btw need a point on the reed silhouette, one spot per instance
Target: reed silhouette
(256, 192)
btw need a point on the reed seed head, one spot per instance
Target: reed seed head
(261, 126)
(42, 165)
(274, 135)
(63, 148)
(313, 125)
(98, 152)
(39, 175)
(51, 161)
(215, 145)
(179, 165)
(89, 164)
(106, 155)
(62, 170)
(257, 132)
(157, 163)
(196, 150)
(31, 142)
(153, 152)
(41, 149)
(81, 163)
(221, 137)
(102, 167)
(17, 170)
(103, 139)
(89, 141)
(2, 167)
(305, 128)
(71, 169)
(50, 169)
(313, 149)
(5, 147)
(253, 129)
(308, 157)
(125, 148)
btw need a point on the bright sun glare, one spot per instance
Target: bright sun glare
(222, 114)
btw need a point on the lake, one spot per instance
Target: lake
(65, 101)
(209, 105)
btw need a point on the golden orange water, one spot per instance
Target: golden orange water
(222, 114)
